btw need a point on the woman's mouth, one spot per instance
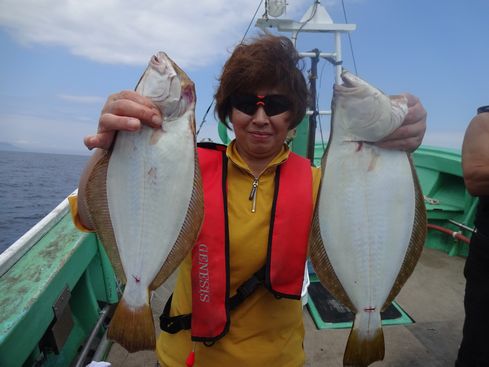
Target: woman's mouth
(260, 134)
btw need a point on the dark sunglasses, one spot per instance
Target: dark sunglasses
(273, 104)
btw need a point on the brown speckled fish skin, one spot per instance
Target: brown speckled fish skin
(96, 198)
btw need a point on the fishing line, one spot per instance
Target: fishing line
(251, 22)
(242, 39)
(204, 118)
(313, 13)
(349, 38)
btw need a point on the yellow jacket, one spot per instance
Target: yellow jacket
(264, 331)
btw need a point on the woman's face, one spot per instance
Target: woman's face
(258, 135)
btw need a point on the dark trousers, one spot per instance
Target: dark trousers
(474, 349)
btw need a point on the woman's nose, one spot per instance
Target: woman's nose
(260, 116)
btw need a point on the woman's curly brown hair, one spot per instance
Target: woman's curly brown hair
(267, 62)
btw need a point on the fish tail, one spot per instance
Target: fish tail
(133, 328)
(366, 341)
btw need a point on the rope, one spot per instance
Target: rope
(251, 22)
(317, 106)
(349, 38)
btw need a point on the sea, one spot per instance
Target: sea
(31, 186)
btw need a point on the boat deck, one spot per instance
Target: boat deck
(433, 297)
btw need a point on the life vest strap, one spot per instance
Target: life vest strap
(247, 288)
(173, 324)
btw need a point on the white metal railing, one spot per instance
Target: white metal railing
(15, 251)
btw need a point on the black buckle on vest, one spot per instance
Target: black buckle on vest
(247, 288)
(173, 324)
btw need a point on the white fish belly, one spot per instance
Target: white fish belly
(149, 187)
(367, 207)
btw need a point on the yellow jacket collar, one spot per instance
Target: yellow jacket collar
(235, 157)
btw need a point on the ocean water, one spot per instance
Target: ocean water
(31, 185)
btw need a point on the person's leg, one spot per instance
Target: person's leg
(474, 349)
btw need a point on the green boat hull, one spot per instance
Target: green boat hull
(51, 298)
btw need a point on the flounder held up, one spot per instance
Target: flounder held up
(370, 221)
(145, 200)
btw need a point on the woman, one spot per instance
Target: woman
(266, 328)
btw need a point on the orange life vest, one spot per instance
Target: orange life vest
(290, 224)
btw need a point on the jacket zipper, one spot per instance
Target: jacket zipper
(252, 197)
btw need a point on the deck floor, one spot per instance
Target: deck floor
(433, 297)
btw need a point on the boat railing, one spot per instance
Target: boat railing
(15, 251)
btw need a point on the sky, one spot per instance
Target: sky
(60, 60)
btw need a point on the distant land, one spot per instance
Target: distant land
(9, 147)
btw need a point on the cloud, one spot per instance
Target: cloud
(194, 33)
(37, 133)
(82, 99)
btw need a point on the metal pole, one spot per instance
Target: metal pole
(102, 348)
(462, 226)
(84, 353)
(339, 61)
(312, 106)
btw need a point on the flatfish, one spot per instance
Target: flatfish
(370, 222)
(145, 200)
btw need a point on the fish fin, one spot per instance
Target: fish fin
(365, 344)
(98, 208)
(191, 124)
(133, 328)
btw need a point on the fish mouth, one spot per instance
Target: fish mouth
(168, 86)
(169, 91)
(350, 84)
(181, 92)
(353, 85)
(352, 81)
(347, 79)
(155, 59)
(161, 61)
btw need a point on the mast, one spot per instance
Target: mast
(317, 20)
